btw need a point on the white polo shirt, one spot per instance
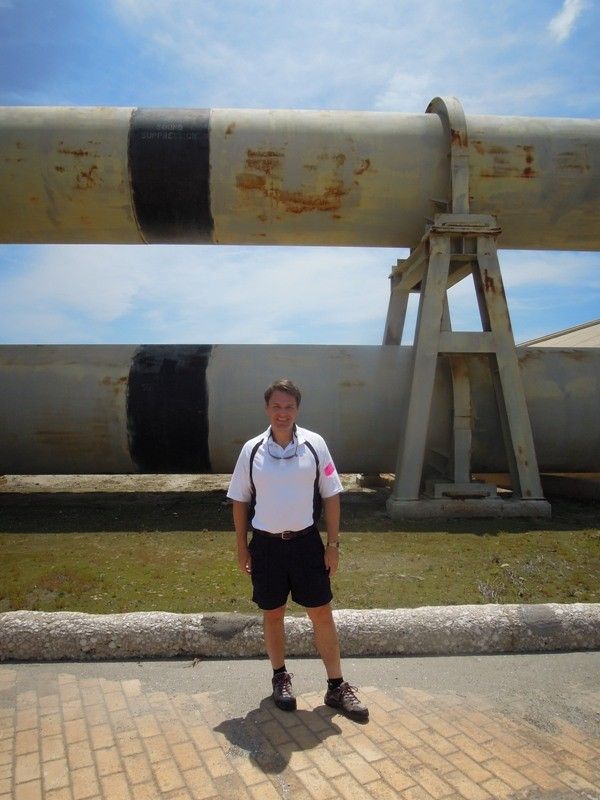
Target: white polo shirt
(285, 485)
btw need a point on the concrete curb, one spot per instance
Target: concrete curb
(440, 630)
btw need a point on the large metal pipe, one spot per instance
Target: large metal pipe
(185, 408)
(124, 175)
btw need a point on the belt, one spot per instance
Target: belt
(285, 534)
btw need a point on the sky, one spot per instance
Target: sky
(511, 57)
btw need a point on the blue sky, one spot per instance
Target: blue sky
(530, 58)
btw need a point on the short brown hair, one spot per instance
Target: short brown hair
(283, 385)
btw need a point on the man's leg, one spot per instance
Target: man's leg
(340, 694)
(326, 639)
(274, 634)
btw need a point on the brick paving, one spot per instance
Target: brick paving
(84, 738)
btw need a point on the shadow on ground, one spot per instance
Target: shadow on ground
(86, 512)
(260, 734)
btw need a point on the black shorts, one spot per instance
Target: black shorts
(284, 566)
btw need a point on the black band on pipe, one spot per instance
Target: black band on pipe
(169, 172)
(167, 408)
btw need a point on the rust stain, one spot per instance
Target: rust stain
(262, 217)
(266, 161)
(457, 137)
(250, 182)
(488, 282)
(59, 168)
(352, 384)
(118, 385)
(230, 129)
(505, 170)
(479, 146)
(108, 380)
(496, 150)
(340, 159)
(299, 203)
(336, 216)
(459, 368)
(364, 166)
(87, 180)
(77, 153)
(569, 161)
(528, 150)
(85, 220)
(34, 200)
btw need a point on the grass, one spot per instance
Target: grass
(141, 553)
(122, 551)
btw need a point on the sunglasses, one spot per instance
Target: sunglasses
(271, 450)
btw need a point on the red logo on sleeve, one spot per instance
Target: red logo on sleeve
(329, 469)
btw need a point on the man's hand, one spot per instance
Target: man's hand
(240, 520)
(244, 559)
(332, 560)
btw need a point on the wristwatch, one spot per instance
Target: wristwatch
(335, 544)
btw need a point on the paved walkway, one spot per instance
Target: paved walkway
(469, 728)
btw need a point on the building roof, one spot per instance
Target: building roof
(585, 335)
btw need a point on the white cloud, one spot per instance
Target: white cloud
(178, 294)
(196, 294)
(562, 23)
(545, 292)
(390, 56)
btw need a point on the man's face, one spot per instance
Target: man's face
(282, 411)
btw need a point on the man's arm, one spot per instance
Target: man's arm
(240, 520)
(331, 509)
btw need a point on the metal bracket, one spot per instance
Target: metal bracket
(450, 111)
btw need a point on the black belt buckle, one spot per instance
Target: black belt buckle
(285, 535)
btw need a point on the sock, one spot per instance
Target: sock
(279, 670)
(333, 683)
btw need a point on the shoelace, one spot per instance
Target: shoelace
(284, 682)
(349, 691)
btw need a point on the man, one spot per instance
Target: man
(280, 481)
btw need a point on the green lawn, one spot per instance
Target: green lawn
(188, 571)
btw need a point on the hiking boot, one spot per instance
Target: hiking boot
(282, 692)
(345, 699)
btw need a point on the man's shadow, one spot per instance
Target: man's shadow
(270, 736)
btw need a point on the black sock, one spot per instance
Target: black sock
(333, 683)
(279, 670)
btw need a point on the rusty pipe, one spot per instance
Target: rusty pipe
(189, 408)
(230, 176)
